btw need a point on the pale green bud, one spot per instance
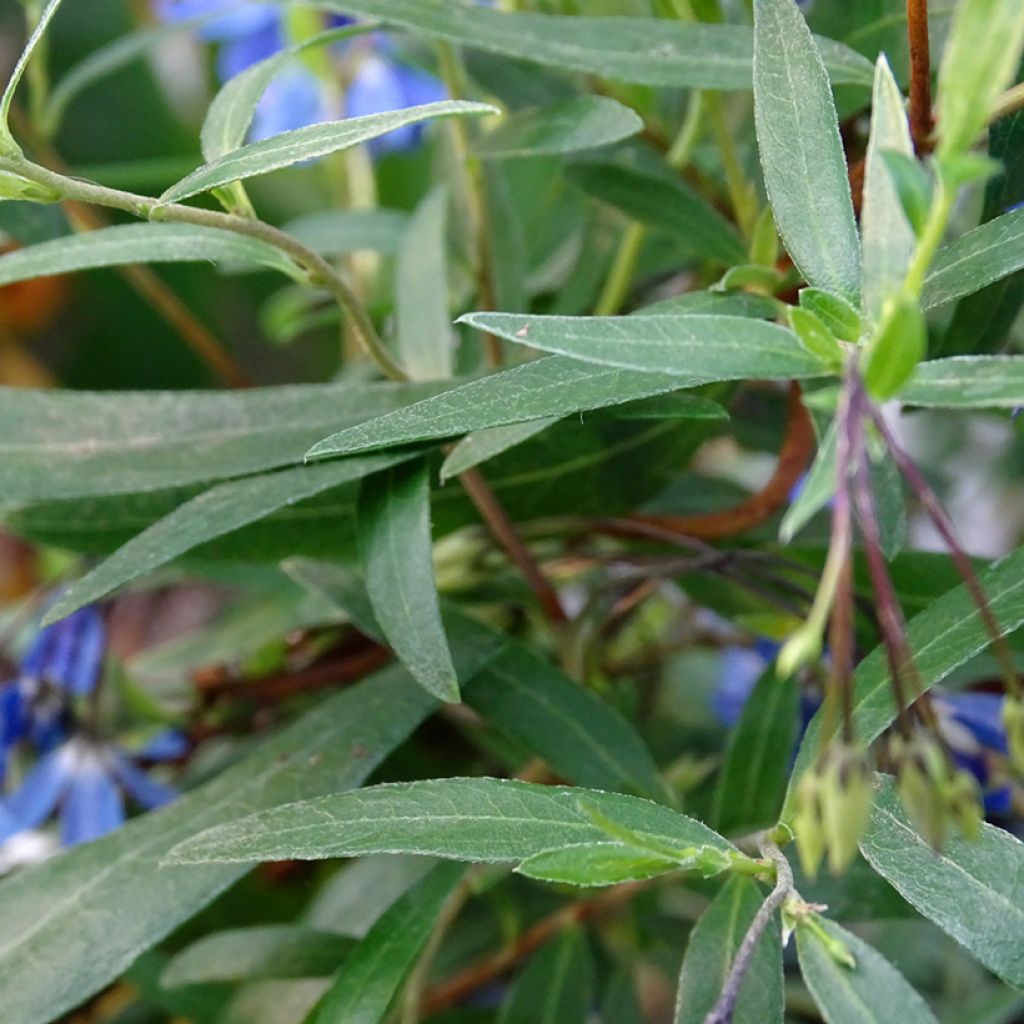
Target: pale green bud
(846, 799)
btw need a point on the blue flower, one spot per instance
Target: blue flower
(297, 97)
(85, 782)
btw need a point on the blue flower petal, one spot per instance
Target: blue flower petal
(981, 714)
(40, 792)
(167, 745)
(739, 669)
(240, 52)
(236, 20)
(93, 805)
(69, 653)
(146, 791)
(293, 100)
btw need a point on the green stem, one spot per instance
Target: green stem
(744, 201)
(931, 239)
(320, 272)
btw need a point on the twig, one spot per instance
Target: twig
(723, 1010)
(507, 535)
(453, 991)
(921, 121)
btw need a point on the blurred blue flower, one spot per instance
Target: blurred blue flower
(296, 97)
(972, 726)
(84, 781)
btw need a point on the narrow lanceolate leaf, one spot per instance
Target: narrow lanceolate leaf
(976, 259)
(753, 780)
(333, 747)
(476, 448)
(568, 126)
(557, 987)
(968, 382)
(980, 60)
(872, 992)
(647, 51)
(338, 232)
(537, 390)
(220, 510)
(801, 151)
(140, 243)
(596, 864)
(667, 204)
(818, 488)
(973, 889)
(45, 17)
(247, 954)
(423, 323)
(70, 444)
(397, 556)
(699, 348)
(888, 237)
(310, 142)
(710, 952)
(369, 979)
(943, 637)
(485, 820)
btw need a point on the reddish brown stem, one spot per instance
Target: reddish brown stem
(921, 121)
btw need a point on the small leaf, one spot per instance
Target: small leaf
(700, 348)
(871, 992)
(968, 382)
(972, 889)
(835, 313)
(814, 335)
(752, 783)
(913, 184)
(568, 126)
(818, 488)
(339, 232)
(422, 321)
(484, 820)
(476, 448)
(888, 237)
(213, 513)
(557, 987)
(667, 204)
(893, 354)
(396, 551)
(370, 977)
(244, 954)
(647, 51)
(980, 60)
(710, 953)
(537, 390)
(801, 151)
(140, 243)
(310, 142)
(976, 259)
(596, 864)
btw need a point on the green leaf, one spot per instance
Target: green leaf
(700, 348)
(647, 51)
(980, 60)
(339, 232)
(230, 114)
(620, 1004)
(890, 503)
(841, 318)
(557, 987)
(568, 126)
(894, 353)
(818, 487)
(873, 992)
(370, 977)
(596, 864)
(422, 321)
(710, 952)
(333, 747)
(220, 510)
(273, 1002)
(140, 243)
(537, 390)
(759, 307)
(310, 142)
(888, 239)
(976, 259)
(752, 784)
(946, 635)
(668, 204)
(397, 556)
(64, 444)
(484, 820)
(243, 954)
(972, 889)
(45, 17)
(968, 382)
(476, 448)
(801, 151)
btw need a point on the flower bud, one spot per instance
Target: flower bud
(1013, 722)
(846, 803)
(803, 647)
(807, 822)
(14, 186)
